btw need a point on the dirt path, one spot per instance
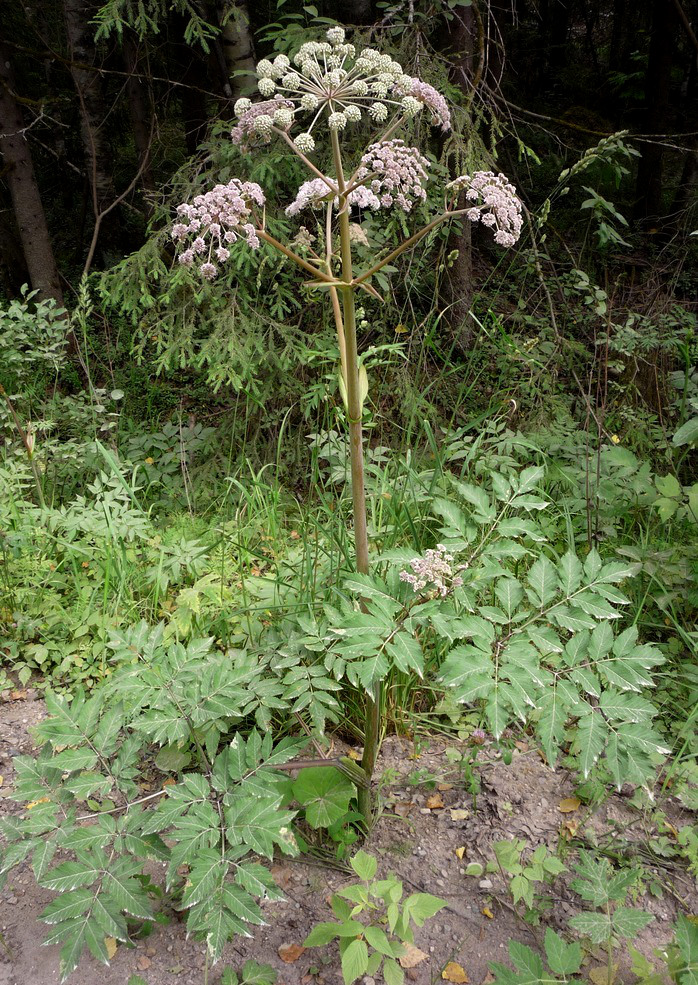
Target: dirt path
(416, 837)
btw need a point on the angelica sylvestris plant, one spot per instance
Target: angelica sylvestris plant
(328, 88)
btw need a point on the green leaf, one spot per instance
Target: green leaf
(590, 740)
(526, 960)
(595, 926)
(687, 942)
(321, 934)
(257, 974)
(364, 865)
(407, 654)
(422, 906)
(354, 961)
(543, 580)
(67, 906)
(563, 959)
(393, 973)
(628, 922)
(687, 433)
(325, 793)
(378, 940)
(74, 759)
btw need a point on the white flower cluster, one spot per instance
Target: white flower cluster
(435, 569)
(499, 206)
(214, 221)
(331, 77)
(397, 173)
(256, 120)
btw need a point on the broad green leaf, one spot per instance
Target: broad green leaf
(325, 793)
(364, 865)
(354, 961)
(422, 906)
(595, 926)
(563, 959)
(628, 922)
(321, 934)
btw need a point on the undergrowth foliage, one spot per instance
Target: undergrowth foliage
(499, 622)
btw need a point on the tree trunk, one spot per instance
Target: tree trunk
(236, 46)
(141, 107)
(24, 191)
(456, 285)
(656, 115)
(93, 113)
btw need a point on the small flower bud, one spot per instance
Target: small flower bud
(267, 87)
(305, 142)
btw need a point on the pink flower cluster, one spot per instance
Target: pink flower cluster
(214, 221)
(399, 174)
(245, 134)
(499, 208)
(434, 101)
(436, 569)
(312, 194)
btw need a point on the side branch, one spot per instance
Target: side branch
(406, 245)
(315, 271)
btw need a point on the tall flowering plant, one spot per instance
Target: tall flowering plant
(326, 89)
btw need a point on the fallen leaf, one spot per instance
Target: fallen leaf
(18, 695)
(458, 814)
(282, 875)
(110, 944)
(412, 956)
(569, 804)
(435, 802)
(290, 952)
(522, 747)
(143, 963)
(570, 826)
(454, 973)
(41, 800)
(486, 912)
(600, 975)
(488, 979)
(445, 786)
(460, 852)
(356, 756)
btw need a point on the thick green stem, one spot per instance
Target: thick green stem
(372, 719)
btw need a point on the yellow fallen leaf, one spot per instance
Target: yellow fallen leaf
(601, 976)
(460, 852)
(570, 827)
(41, 800)
(569, 804)
(2, 780)
(356, 756)
(435, 802)
(110, 945)
(486, 912)
(445, 786)
(454, 973)
(412, 956)
(290, 952)
(458, 814)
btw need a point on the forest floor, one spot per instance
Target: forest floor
(428, 831)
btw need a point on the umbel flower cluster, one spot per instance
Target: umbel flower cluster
(435, 568)
(498, 205)
(330, 78)
(214, 221)
(390, 173)
(332, 83)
